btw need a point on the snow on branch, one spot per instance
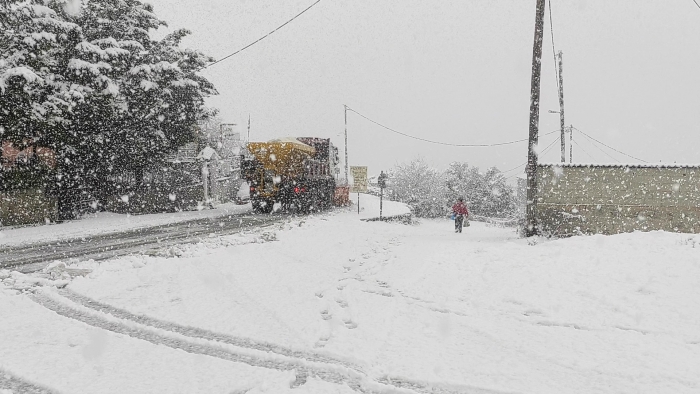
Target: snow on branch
(103, 53)
(22, 72)
(181, 83)
(33, 38)
(39, 10)
(148, 85)
(94, 68)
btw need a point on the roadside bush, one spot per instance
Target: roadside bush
(430, 193)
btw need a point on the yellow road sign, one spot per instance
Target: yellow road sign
(359, 176)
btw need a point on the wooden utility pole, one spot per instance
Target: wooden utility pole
(531, 210)
(248, 127)
(561, 106)
(346, 146)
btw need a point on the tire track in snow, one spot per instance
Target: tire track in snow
(204, 334)
(208, 344)
(330, 373)
(429, 388)
(15, 384)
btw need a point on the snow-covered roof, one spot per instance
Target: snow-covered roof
(621, 165)
(290, 140)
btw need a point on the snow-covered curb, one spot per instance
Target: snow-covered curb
(107, 223)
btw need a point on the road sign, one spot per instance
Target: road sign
(381, 181)
(359, 176)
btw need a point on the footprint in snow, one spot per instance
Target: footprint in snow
(382, 283)
(350, 324)
(322, 342)
(342, 303)
(325, 315)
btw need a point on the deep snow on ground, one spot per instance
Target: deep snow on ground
(107, 222)
(386, 303)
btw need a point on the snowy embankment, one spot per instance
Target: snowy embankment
(369, 207)
(333, 304)
(107, 222)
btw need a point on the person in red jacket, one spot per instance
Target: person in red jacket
(460, 211)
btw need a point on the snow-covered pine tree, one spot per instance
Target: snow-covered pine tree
(35, 98)
(87, 80)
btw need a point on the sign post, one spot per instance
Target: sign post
(359, 184)
(382, 184)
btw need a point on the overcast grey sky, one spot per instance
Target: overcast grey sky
(456, 71)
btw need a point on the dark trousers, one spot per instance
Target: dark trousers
(459, 220)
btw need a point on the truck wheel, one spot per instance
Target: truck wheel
(269, 206)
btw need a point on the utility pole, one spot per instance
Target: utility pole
(561, 106)
(248, 127)
(571, 144)
(531, 210)
(346, 145)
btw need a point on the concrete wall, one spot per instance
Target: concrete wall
(614, 199)
(30, 206)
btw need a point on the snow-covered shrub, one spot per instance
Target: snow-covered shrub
(486, 194)
(431, 193)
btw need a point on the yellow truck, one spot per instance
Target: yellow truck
(296, 173)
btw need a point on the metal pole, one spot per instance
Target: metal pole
(531, 225)
(561, 107)
(248, 127)
(346, 150)
(205, 180)
(381, 198)
(358, 203)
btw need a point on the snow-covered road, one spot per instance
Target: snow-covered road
(140, 240)
(332, 304)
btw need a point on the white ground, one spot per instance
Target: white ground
(376, 306)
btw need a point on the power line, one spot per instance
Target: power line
(548, 147)
(542, 153)
(554, 52)
(439, 142)
(696, 3)
(600, 149)
(514, 168)
(261, 38)
(610, 147)
(584, 151)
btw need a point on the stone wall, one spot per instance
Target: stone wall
(610, 199)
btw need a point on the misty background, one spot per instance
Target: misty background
(456, 72)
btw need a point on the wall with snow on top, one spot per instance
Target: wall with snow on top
(610, 199)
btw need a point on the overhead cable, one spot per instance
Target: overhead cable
(696, 3)
(583, 150)
(439, 142)
(554, 52)
(542, 153)
(599, 148)
(610, 147)
(261, 38)
(515, 168)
